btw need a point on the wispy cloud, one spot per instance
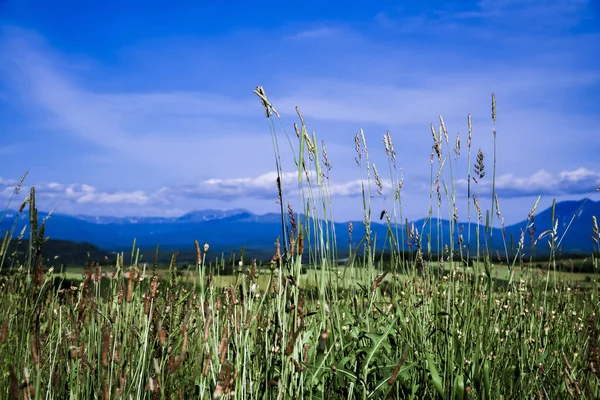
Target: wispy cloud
(314, 33)
(507, 14)
(556, 10)
(139, 125)
(404, 104)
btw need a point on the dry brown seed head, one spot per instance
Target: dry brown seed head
(4, 330)
(396, 370)
(105, 345)
(207, 365)
(277, 257)
(223, 343)
(198, 253)
(306, 349)
(34, 350)
(378, 280)
(207, 327)
(13, 385)
(292, 217)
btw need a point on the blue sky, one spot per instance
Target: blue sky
(146, 108)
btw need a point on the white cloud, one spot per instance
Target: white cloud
(580, 181)
(137, 197)
(263, 186)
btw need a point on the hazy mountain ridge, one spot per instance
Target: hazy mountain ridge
(239, 227)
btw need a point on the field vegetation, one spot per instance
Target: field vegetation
(413, 324)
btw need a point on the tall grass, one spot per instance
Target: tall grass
(416, 324)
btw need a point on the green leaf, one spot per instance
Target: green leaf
(378, 341)
(435, 376)
(459, 387)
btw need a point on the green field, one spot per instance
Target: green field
(403, 329)
(344, 275)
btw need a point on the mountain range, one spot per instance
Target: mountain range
(226, 229)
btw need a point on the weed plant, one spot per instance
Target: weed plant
(432, 325)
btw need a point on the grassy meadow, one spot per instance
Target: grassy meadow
(301, 325)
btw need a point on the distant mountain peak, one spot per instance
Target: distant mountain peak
(212, 214)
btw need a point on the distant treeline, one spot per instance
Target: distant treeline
(564, 262)
(64, 254)
(57, 254)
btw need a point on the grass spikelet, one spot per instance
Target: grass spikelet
(389, 147)
(269, 110)
(494, 107)
(326, 161)
(358, 149)
(479, 167)
(437, 143)
(457, 146)
(444, 130)
(478, 208)
(377, 181)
